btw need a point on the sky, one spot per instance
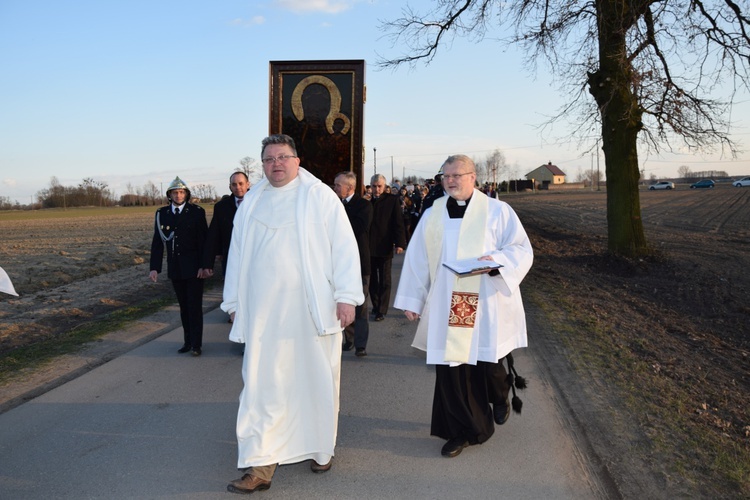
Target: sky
(131, 91)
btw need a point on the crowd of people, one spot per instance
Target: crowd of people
(299, 262)
(411, 196)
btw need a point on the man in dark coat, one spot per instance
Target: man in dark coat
(222, 222)
(181, 227)
(386, 232)
(436, 191)
(359, 212)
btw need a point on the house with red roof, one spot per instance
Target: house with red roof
(547, 174)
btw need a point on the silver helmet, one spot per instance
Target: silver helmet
(178, 183)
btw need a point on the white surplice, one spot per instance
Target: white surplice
(291, 369)
(500, 324)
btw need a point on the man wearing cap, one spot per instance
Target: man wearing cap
(181, 227)
(468, 324)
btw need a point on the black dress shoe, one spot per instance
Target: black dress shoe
(347, 346)
(360, 352)
(185, 348)
(248, 484)
(197, 352)
(317, 468)
(501, 412)
(454, 447)
(379, 317)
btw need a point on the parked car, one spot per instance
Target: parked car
(745, 181)
(662, 185)
(705, 183)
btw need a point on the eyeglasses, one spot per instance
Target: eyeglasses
(270, 160)
(448, 177)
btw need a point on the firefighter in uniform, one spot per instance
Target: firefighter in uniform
(181, 227)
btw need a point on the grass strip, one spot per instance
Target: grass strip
(17, 361)
(691, 450)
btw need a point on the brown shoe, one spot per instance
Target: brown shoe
(248, 484)
(316, 467)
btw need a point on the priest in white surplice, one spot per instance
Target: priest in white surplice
(468, 324)
(292, 284)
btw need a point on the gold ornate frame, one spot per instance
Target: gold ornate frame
(321, 105)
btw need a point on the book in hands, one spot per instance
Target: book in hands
(471, 267)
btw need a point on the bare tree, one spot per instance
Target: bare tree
(152, 194)
(5, 203)
(87, 193)
(480, 167)
(204, 192)
(652, 68)
(684, 172)
(497, 166)
(251, 168)
(94, 193)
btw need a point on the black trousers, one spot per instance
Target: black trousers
(190, 297)
(359, 331)
(463, 394)
(380, 284)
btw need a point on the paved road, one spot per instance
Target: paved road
(152, 423)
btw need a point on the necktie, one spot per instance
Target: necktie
(239, 200)
(343, 200)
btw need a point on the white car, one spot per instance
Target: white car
(745, 181)
(662, 185)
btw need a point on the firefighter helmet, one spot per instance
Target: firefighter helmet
(178, 183)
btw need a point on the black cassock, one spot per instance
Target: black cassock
(463, 393)
(461, 405)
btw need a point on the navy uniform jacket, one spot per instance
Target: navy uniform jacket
(359, 212)
(220, 231)
(185, 250)
(387, 227)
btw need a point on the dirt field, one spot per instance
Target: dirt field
(70, 267)
(658, 348)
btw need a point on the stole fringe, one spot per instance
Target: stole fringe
(515, 381)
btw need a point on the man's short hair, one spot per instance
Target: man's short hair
(239, 172)
(377, 178)
(350, 177)
(278, 139)
(459, 158)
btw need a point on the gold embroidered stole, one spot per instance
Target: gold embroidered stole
(465, 294)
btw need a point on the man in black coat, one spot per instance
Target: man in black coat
(436, 191)
(386, 232)
(181, 227)
(359, 212)
(222, 223)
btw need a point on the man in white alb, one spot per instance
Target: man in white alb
(292, 236)
(468, 324)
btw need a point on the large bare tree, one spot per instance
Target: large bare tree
(660, 74)
(251, 169)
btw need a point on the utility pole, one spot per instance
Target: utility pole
(598, 175)
(391, 170)
(375, 159)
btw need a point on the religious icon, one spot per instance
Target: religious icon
(322, 111)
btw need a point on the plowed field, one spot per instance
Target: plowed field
(660, 347)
